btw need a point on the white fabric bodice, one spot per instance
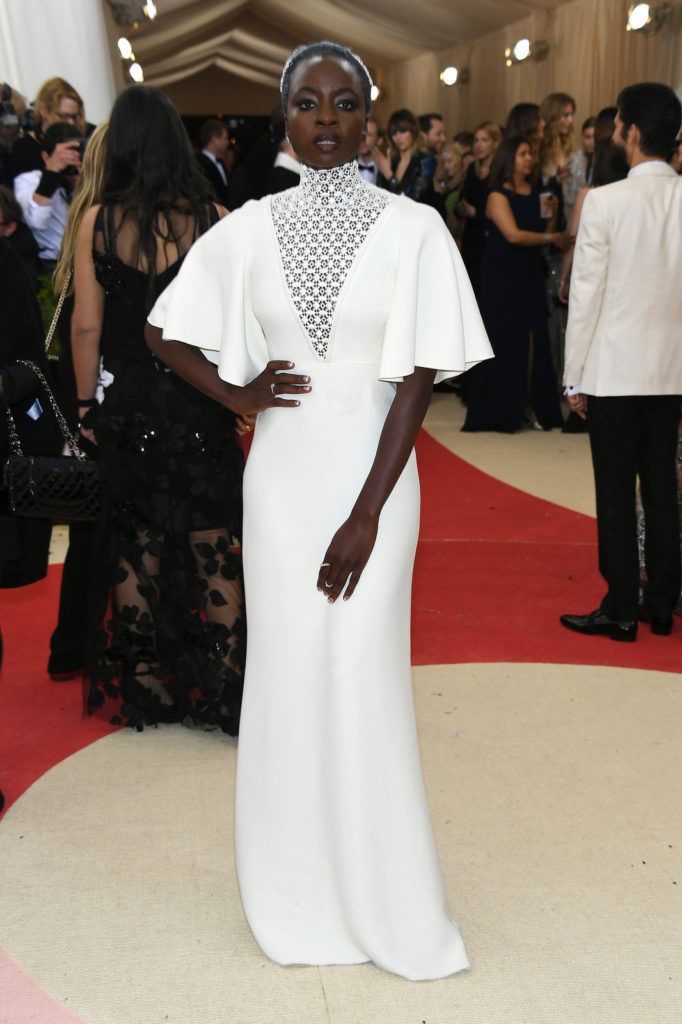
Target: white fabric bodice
(320, 225)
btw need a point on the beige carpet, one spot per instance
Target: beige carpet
(555, 793)
(550, 465)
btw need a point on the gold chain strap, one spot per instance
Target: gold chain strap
(57, 312)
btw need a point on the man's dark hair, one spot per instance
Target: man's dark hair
(325, 48)
(603, 129)
(425, 121)
(57, 133)
(9, 207)
(210, 129)
(464, 139)
(656, 111)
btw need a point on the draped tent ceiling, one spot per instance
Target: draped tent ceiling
(250, 38)
(225, 56)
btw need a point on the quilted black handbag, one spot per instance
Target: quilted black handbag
(63, 487)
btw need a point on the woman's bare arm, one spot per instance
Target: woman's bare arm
(86, 322)
(500, 213)
(352, 545)
(191, 364)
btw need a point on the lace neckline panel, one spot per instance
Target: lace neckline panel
(320, 226)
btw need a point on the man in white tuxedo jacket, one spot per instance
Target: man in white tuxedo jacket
(623, 368)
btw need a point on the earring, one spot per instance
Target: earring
(364, 131)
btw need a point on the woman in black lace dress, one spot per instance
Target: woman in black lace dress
(171, 647)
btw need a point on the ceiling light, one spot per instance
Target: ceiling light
(136, 73)
(374, 93)
(150, 9)
(125, 48)
(646, 17)
(523, 50)
(449, 76)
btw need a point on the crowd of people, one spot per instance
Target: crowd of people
(511, 196)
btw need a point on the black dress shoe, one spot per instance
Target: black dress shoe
(661, 627)
(599, 624)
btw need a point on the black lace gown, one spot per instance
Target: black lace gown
(171, 645)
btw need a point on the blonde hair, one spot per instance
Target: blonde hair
(551, 109)
(88, 192)
(492, 130)
(454, 150)
(52, 92)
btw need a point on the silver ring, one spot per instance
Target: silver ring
(329, 584)
(272, 388)
(325, 565)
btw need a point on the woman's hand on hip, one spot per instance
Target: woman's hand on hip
(347, 556)
(265, 391)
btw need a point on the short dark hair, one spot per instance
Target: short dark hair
(656, 111)
(591, 122)
(210, 129)
(465, 139)
(325, 48)
(9, 207)
(425, 121)
(502, 165)
(403, 121)
(57, 133)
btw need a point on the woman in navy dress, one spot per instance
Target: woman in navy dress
(513, 302)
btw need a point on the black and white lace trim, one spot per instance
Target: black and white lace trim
(320, 226)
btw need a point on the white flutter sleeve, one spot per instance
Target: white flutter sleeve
(209, 304)
(434, 319)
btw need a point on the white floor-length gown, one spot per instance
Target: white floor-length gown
(335, 852)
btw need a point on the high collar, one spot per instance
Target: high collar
(330, 185)
(656, 167)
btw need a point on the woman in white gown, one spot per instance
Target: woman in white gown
(364, 295)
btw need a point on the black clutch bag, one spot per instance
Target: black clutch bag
(60, 487)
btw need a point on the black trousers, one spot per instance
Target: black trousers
(632, 437)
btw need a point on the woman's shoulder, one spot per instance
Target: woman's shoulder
(415, 219)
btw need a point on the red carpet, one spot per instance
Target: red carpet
(495, 569)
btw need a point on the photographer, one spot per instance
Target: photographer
(56, 102)
(44, 196)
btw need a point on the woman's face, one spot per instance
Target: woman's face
(326, 112)
(67, 112)
(566, 119)
(402, 139)
(451, 164)
(523, 162)
(484, 146)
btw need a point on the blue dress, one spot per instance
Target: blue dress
(513, 304)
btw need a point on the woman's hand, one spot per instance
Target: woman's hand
(87, 432)
(563, 290)
(561, 240)
(245, 424)
(382, 161)
(465, 209)
(266, 390)
(347, 556)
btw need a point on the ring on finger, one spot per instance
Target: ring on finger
(329, 584)
(272, 388)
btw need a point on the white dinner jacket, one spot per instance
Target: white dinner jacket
(624, 334)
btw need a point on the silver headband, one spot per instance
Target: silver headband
(300, 50)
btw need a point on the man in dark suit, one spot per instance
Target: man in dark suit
(286, 171)
(214, 140)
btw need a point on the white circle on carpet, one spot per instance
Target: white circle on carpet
(555, 798)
